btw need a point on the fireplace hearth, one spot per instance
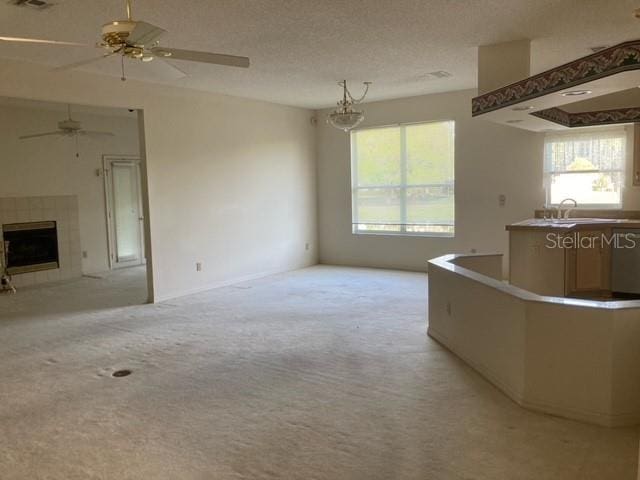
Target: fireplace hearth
(30, 247)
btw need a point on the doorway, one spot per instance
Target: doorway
(125, 219)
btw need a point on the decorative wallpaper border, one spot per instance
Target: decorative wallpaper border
(589, 119)
(605, 63)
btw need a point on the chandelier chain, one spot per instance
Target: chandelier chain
(354, 101)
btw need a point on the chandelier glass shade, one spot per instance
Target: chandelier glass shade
(345, 117)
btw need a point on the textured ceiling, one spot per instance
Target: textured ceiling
(300, 48)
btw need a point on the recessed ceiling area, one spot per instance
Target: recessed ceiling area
(622, 99)
(300, 49)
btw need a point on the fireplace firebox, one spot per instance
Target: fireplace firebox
(30, 247)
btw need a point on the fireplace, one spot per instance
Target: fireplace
(31, 247)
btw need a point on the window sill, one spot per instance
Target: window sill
(586, 207)
(405, 234)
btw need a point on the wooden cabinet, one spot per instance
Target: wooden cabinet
(576, 263)
(588, 265)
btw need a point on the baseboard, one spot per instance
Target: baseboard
(598, 418)
(422, 269)
(224, 283)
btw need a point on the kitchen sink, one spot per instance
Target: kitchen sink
(569, 223)
(580, 220)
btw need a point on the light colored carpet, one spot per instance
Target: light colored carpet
(324, 373)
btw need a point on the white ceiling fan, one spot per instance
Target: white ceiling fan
(139, 41)
(69, 128)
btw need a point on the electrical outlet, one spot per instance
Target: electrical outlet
(502, 200)
(306, 246)
(473, 250)
(198, 267)
(85, 254)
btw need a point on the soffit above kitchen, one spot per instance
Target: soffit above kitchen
(597, 89)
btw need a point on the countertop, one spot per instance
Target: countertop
(572, 224)
(448, 262)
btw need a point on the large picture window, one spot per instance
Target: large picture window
(403, 179)
(587, 167)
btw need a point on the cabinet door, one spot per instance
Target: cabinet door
(588, 265)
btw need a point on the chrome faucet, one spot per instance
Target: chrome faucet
(568, 210)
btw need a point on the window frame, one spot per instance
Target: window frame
(402, 186)
(548, 175)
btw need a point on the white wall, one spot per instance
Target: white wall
(490, 160)
(48, 166)
(231, 181)
(232, 185)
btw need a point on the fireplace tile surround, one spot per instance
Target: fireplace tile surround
(61, 209)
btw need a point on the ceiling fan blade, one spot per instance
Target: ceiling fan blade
(36, 135)
(169, 70)
(203, 57)
(42, 42)
(82, 63)
(144, 34)
(93, 133)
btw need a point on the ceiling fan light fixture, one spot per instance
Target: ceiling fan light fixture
(115, 34)
(138, 40)
(345, 117)
(161, 53)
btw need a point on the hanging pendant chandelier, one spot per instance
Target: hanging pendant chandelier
(345, 117)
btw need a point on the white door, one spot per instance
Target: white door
(124, 212)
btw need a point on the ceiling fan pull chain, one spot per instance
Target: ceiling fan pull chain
(123, 78)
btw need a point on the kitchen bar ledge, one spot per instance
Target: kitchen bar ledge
(571, 224)
(574, 358)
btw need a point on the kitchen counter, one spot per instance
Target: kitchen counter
(573, 224)
(569, 357)
(592, 257)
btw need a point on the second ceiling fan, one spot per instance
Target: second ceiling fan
(139, 41)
